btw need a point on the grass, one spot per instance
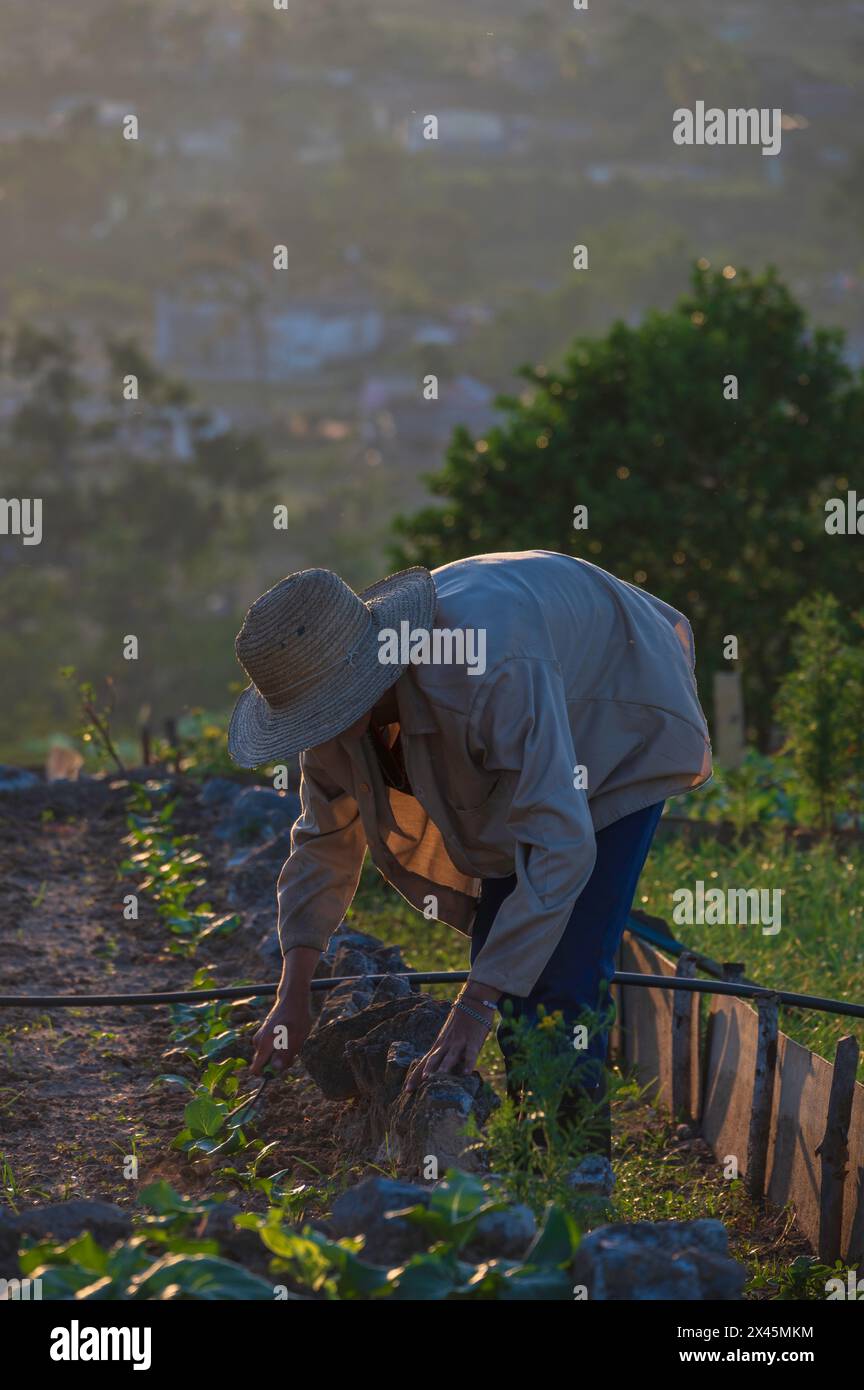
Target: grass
(819, 948)
(662, 1178)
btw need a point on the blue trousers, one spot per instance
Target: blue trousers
(575, 975)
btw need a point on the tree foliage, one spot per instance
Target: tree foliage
(715, 504)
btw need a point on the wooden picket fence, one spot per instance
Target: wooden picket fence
(792, 1121)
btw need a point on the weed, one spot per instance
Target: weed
(548, 1121)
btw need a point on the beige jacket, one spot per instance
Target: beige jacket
(583, 671)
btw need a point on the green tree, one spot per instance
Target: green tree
(714, 504)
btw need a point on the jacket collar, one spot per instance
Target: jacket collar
(415, 712)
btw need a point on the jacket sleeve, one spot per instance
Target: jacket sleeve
(318, 882)
(520, 726)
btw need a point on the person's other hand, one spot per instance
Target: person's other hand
(455, 1050)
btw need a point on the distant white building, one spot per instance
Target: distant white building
(457, 130)
(206, 340)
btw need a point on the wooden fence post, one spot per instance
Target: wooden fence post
(733, 971)
(834, 1149)
(684, 1001)
(763, 1095)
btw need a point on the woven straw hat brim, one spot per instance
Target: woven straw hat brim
(260, 734)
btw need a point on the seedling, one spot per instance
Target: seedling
(172, 872)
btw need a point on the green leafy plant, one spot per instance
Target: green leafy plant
(172, 867)
(549, 1120)
(805, 1279)
(337, 1270)
(162, 1260)
(760, 791)
(819, 705)
(216, 1120)
(82, 1270)
(205, 745)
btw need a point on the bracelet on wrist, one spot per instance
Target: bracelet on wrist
(476, 999)
(472, 1013)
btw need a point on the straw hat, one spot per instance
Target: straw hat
(310, 647)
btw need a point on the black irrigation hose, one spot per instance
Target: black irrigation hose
(199, 996)
(428, 977)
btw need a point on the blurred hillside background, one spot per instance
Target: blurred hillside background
(300, 387)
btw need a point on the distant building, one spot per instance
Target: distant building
(458, 131)
(206, 340)
(393, 408)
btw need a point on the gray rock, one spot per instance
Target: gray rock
(430, 1123)
(414, 1030)
(258, 813)
(366, 1210)
(348, 999)
(354, 954)
(400, 1058)
(348, 960)
(219, 792)
(372, 1208)
(344, 1002)
(336, 960)
(15, 779)
(253, 880)
(658, 1260)
(393, 987)
(593, 1177)
(9, 1242)
(63, 1221)
(346, 936)
(325, 1052)
(502, 1235)
(245, 1247)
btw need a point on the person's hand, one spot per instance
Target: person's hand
(287, 1026)
(282, 1034)
(455, 1049)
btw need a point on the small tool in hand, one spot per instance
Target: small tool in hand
(247, 1104)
